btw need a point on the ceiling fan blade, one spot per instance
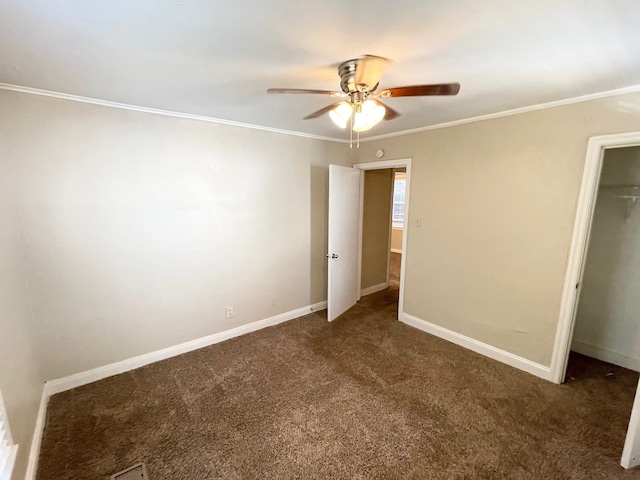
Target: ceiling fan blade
(390, 113)
(369, 70)
(322, 111)
(304, 90)
(420, 90)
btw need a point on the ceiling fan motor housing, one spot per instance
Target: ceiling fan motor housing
(347, 73)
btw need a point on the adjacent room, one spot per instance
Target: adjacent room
(283, 240)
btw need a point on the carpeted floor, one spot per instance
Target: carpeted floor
(364, 397)
(394, 269)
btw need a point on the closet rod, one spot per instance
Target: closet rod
(630, 185)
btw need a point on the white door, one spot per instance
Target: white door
(344, 210)
(631, 452)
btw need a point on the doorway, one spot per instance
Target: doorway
(345, 230)
(383, 207)
(597, 226)
(384, 211)
(607, 321)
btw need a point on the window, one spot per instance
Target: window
(399, 192)
(7, 448)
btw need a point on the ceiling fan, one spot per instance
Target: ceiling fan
(361, 104)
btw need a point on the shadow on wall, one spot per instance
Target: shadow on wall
(319, 196)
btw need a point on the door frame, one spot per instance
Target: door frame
(575, 271)
(579, 243)
(382, 165)
(631, 451)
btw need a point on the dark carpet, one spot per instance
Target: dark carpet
(364, 397)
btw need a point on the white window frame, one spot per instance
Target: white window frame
(398, 224)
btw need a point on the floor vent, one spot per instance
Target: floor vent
(137, 472)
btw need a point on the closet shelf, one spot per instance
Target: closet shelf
(631, 194)
(632, 186)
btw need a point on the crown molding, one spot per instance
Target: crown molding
(203, 118)
(507, 113)
(156, 111)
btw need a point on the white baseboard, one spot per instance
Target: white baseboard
(478, 347)
(373, 289)
(396, 250)
(36, 441)
(606, 355)
(89, 376)
(83, 378)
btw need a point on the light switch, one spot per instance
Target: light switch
(418, 222)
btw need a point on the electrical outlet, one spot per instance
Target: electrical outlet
(229, 312)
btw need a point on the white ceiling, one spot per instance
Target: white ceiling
(217, 57)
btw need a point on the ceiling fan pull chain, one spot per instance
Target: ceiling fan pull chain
(351, 133)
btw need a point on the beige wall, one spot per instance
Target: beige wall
(608, 319)
(497, 199)
(396, 239)
(378, 185)
(139, 229)
(134, 231)
(21, 381)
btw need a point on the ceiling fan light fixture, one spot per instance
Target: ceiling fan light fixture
(370, 114)
(362, 108)
(341, 114)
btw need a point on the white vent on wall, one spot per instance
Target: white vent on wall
(7, 449)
